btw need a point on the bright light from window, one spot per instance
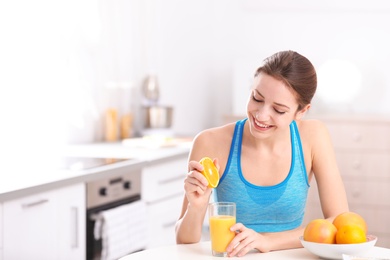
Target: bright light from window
(339, 81)
(46, 78)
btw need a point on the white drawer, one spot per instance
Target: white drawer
(369, 193)
(163, 180)
(364, 165)
(1, 230)
(162, 218)
(360, 136)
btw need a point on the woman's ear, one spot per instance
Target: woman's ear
(302, 112)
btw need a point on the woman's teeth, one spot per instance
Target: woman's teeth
(262, 125)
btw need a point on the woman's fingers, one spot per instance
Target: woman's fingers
(243, 242)
(194, 165)
(195, 181)
(195, 173)
(238, 227)
(216, 163)
(194, 185)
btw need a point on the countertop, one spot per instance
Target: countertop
(202, 250)
(32, 176)
(130, 149)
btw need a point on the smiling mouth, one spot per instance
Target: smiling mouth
(262, 125)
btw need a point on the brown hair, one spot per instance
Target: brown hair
(295, 70)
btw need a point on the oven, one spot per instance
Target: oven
(115, 217)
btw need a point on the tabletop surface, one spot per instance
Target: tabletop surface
(203, 251)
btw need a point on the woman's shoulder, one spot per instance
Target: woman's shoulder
(213, 142)
(311, 125)
(216, 134)
(312, 129)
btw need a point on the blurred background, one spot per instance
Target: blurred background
(65, 63)
(85, 73)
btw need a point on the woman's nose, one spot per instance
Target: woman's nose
(262, 114)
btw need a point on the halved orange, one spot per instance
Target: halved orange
(210, 171)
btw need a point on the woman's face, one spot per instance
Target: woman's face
(271, 106)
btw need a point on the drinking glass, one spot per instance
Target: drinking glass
(222, 215)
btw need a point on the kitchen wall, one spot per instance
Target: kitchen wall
(213, 47)
(64, 62)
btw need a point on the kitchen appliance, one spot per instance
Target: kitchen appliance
(109, 214)
(151, 89)
(156, 118)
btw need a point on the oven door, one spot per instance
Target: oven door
(115, 215)
(97, 233)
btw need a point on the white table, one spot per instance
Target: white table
(203, 251)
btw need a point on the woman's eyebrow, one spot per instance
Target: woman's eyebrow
(259, 93)
(281, 105)
(276, 103)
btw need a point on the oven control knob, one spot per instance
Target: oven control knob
(127, 185)
(103, 191)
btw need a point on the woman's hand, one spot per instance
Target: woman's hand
(196, 185)
(245, 240)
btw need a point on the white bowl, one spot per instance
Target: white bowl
(336, 251)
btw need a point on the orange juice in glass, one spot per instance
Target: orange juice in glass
(222, 215)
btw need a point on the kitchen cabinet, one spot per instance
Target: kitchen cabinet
(71, 222)
(1, 231)
(46, 225)
(163, 191)
(362, 147)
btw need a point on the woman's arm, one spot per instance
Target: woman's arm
(197, 194)
(248, 239)
(189, 226)
(324, 166)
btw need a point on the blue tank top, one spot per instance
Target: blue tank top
(265, 208)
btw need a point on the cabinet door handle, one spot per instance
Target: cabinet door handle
(356, 165)
(173, 179)
(35, 203)
(356, 194)
(357, 137)
(169, 224)
(74, 233)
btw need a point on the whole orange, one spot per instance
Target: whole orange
(350, 234)
(350, 218)
(320, 231)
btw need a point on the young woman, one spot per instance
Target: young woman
(266, 162)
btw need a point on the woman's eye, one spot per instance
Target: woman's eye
(279, 112)
(255, 99)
